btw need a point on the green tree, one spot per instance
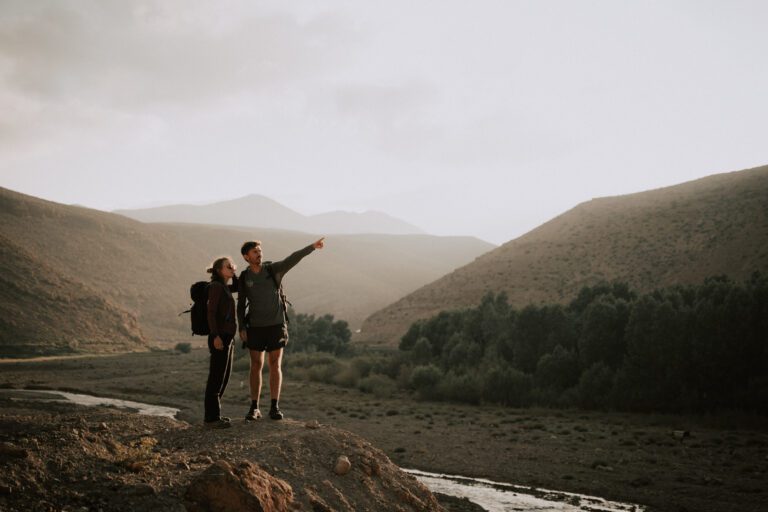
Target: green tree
(425, 380)
(318, 334)
(652, 376)
(557, 371)
(507, 386)
(422, 351)
(602, 333)
(596, 386)
(537, 330)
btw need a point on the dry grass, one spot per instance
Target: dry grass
(87, 274)
(680, 234)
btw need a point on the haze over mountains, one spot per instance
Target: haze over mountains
(80, 279)
(258, 211)
(680, 234)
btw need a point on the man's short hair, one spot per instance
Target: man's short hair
(247, 246)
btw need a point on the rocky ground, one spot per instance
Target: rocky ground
(664, 462)
(56, 457)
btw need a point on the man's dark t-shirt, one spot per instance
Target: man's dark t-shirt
(264, 305)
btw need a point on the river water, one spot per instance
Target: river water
(91, 401)
(503, 497)
(491, 496)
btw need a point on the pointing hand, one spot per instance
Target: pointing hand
(319, 244)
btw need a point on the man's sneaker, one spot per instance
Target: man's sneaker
(216, 424)
(253, 415)
(226, 418)
(275, 413)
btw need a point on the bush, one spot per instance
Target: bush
(558, 371)
(324, 372)
(422, 351)
(424, 379)
(380, 385)
(184, 348)
(463, 388)
(346, 375)
(507, 386)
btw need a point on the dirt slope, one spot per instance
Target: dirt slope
(679, 234)
(145, 270)
(43, 311)
(58, 458)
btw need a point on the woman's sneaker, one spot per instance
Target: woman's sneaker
(275, 413)
(253, 415)
(216, 424)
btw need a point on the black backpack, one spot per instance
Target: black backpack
(199, 310)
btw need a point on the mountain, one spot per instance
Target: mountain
(137, 273)
(43, 312)
(678, 234)
(366, 222)
(262, 212)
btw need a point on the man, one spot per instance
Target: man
(264, 328)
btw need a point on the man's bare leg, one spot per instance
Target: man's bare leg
(257, 363)
(275, 361)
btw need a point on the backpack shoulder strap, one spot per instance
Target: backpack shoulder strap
(279, 286)
(271, 272)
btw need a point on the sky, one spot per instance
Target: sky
(483, 118)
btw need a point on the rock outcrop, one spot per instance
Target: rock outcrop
(243, 487)
(54, 457)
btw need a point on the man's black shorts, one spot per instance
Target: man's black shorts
(269, 338)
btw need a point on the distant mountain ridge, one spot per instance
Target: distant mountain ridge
(679, 234)
(83, 280)
(260, 211)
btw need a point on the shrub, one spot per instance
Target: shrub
(380, 385)
(558, 370)
(346, 375)
(465, 388)
(184, 348)
(507, 386)
(424, 379)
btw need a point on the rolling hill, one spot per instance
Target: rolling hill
(262, 212)
(144, 270)
(678, 234)
(44, 312)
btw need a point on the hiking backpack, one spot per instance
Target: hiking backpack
(199, 310)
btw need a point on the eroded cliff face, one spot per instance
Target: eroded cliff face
(59, 457)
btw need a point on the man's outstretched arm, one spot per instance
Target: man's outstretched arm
(282, 267)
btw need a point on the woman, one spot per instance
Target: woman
(221, 322)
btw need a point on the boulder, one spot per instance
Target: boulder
(342, 465)
(243, 487)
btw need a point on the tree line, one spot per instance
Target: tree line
(310, 333)
(681, 348)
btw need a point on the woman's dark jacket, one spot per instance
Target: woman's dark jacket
(222, 318)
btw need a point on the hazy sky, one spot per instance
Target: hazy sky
(482, 118)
